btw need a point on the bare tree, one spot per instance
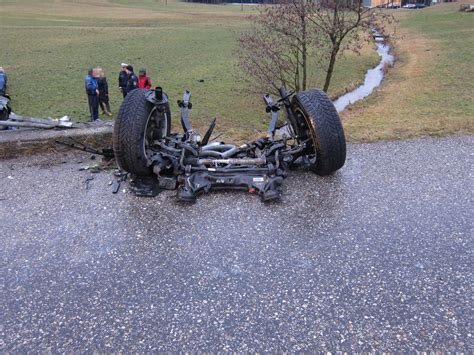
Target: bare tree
(275, 48)
(289, 38)
(342, 25)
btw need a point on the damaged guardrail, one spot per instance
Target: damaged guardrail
(18, 121)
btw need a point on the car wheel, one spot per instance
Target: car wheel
(314, 110)
(138, 124)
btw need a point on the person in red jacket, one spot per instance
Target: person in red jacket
(144, 81)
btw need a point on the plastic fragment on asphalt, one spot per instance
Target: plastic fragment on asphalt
(88, 167)
(93, 168)
(87, 181)
(115, 186)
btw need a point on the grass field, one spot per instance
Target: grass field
(47, 47)
(431, 89)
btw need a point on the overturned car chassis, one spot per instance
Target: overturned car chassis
(157, 159)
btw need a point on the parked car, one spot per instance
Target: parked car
(414, 6)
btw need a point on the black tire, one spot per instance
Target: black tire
(324, 127)
(130, 130)
(4, 117)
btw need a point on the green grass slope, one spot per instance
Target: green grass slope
(48, 46)
(431, 89)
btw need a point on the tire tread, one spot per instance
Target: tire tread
(327, 128)
(129, 131)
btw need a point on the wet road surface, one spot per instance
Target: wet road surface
(377, 257)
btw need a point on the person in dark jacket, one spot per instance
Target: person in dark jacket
(3, 82)
(92, 91)
(144, 81)
(132, 82)
(122, 80)
(103, 92)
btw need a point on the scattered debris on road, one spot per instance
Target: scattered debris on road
(87, 182)
(93, 168)
(120, 176)
(107, 153)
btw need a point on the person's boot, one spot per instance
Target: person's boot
(109, 113)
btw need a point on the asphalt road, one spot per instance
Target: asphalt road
(377, 257)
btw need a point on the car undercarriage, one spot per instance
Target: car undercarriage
(311, 136)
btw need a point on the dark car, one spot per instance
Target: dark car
(414, 6)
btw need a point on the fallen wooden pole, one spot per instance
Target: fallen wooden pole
(45, 121)
(27, 124)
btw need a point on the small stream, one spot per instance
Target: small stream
(373, 78)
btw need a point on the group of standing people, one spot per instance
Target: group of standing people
(97, 88)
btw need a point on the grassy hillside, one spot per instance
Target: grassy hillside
(47, 47)
(430, 90)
